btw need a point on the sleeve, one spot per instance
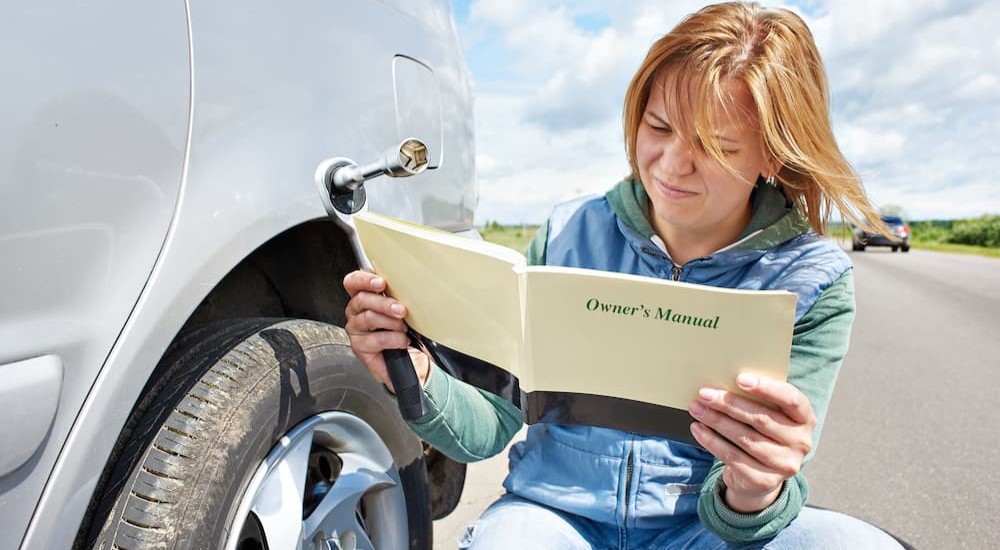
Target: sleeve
(536, 248)
(819, 344)
(463, 422)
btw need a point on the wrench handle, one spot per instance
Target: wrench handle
(409, 394)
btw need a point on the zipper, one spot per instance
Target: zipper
(675, 270)
(628, 486)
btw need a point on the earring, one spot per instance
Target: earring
(770, 180)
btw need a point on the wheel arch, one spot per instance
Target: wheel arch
(297, 274)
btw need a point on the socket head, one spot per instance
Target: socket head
(413, 156)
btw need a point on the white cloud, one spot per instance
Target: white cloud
(916, 96)
(526, 173)
(984, 86)
(485, 163)
(499, 12)
(866, 146)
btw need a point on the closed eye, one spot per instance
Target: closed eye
(659, 126)
(727, 152)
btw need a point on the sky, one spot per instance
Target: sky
(915, 97)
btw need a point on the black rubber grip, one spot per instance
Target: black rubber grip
(409, 394)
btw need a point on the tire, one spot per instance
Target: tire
(447, 480)
(905, 248)
(895, 248)
(857, 247)
(249, 411)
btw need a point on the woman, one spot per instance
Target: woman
(734, 173)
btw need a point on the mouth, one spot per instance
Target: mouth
(671, 191)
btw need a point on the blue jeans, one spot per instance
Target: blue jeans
(514, 522)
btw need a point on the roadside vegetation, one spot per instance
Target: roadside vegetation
(980, 236)
(511, 236)
(971, 236)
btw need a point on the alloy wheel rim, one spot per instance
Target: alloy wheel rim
(328, 484)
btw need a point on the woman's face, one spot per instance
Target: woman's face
(693, 196)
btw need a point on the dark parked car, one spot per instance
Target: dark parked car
(898, 239)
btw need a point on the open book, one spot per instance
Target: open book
(582, 346)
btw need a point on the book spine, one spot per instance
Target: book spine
(525, 365)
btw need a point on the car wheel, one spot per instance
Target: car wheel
(266, 434)
(857, 247)
(905, 248)
(895, 248)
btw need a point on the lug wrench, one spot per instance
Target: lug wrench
(341, 182)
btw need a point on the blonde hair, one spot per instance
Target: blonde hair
(772, 53)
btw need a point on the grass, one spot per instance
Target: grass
(511, 236)
(957, 248)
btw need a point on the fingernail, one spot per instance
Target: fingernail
(747, 381)
(709, 394)
(377, 282)
(696, 409)
(397, 309)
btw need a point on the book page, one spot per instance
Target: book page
(460, 292)
(650, 340)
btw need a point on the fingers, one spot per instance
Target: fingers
(740, 443)
(374, 321)
(789, 399)
(755, 438)
(368, 310)
(770, 423)
(358, 281)
(376, 342)
(753, 475)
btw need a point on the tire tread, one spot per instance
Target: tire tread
(206, 375)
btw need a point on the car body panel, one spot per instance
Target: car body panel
(91, 155)
(273, 91)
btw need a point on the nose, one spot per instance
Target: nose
(676, 159)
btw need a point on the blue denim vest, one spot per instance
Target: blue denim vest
(624, 478)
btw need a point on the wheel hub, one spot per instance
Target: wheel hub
(329, 484)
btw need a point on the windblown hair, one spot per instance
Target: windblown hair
(772, 53)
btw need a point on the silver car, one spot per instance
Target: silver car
(172, 371)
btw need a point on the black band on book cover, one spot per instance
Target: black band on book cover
(610, 412)
(563, 407)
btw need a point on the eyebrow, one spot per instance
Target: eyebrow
(657, 117)
(719, 137)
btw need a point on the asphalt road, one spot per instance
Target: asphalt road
(912, 438)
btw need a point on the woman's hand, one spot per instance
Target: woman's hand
(760, 446)
(375, 323)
